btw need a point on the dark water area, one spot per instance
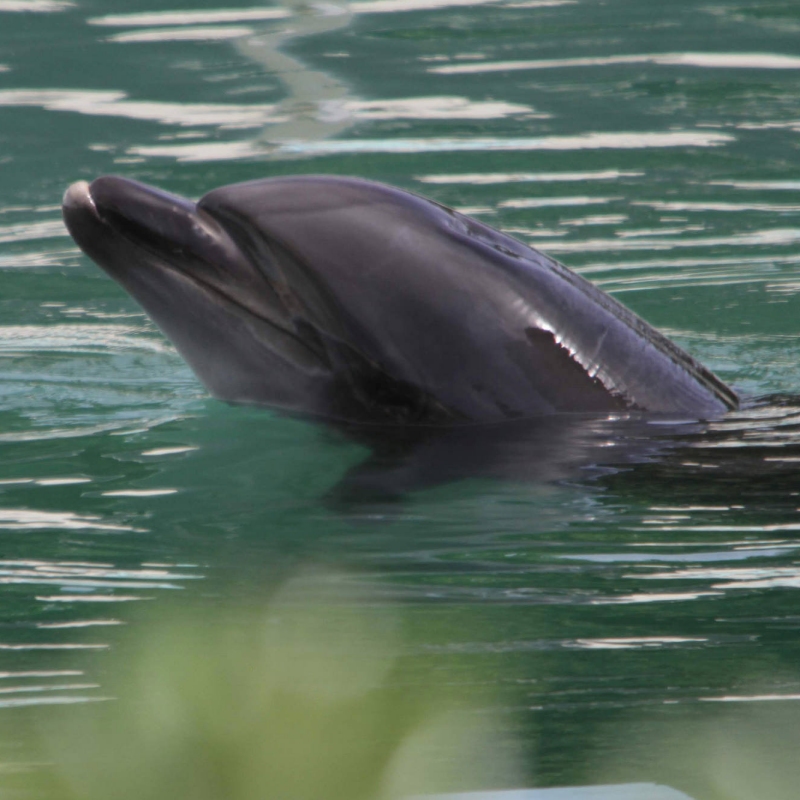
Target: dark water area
(622, 589)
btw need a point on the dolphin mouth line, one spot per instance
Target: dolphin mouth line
(79, 195)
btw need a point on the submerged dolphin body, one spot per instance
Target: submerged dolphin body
(357, 301)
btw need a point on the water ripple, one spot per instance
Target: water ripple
(703, 60)
(206, 34)
(147, 19)
(25, 231)
(35, 6)
(222, 16)
(91, 598)
(708, 205)
(59, 687)
(32, 260)
(245, 150)
(51, 701)
(789, 186)
(78, 338)
(775, 237)
(488, 178)
(116, 104)
(230, 116)
(25, 519)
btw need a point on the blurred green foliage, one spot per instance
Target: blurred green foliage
(299, 700)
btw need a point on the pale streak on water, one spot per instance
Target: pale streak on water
(34, 6)
(662, 171)
(702, 60)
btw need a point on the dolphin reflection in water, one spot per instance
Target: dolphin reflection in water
(375, 308)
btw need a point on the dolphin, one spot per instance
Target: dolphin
(355, 301)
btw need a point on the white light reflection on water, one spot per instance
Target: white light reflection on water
(707, 205)
(776, 237)
(182, 35)
(666, 280)
(211, 151)
(37, 209)
(429, 108)
(40, 673)
(59, 687)
(232, 116)
(148, 19)
(231, 151)
(540, 232)
(783, 289)
(789, 186)
(654, 597)
(168, 451)
(636, 642)
(721, 555)
(612, 643)
(116, 104)
(631, 234)
(140, 493)
(23, 647)
(592, 219)
(79, 431)
(78, 583)
(32, 231)
(79, 338)
(734, 578)
(34, 6)
(25, 519)
(49, 701)
(789, 125)
(91, 598)
(87, 623)
(392, 6)
(766, 528)
(61, 481)
(28, 232)
(703, 60)
(547, 202)
(85, 576)
(749, 698)
(487, 178)
(232, 15)
(586, 141)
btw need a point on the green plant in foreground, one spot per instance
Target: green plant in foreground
(302, 701)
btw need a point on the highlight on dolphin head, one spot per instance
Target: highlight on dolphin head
(356, 301)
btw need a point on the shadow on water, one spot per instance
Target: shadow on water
(745, 453)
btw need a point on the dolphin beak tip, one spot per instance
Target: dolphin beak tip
(77, 196)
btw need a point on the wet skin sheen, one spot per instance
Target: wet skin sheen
(357, 301)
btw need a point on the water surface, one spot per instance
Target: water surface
(653, 148)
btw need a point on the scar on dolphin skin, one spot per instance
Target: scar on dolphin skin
(356, 301)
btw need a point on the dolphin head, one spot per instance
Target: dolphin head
(353, 300)
(253, 317)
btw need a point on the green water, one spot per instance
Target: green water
(653, 147)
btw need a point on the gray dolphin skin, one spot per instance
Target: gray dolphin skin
(356, 301)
